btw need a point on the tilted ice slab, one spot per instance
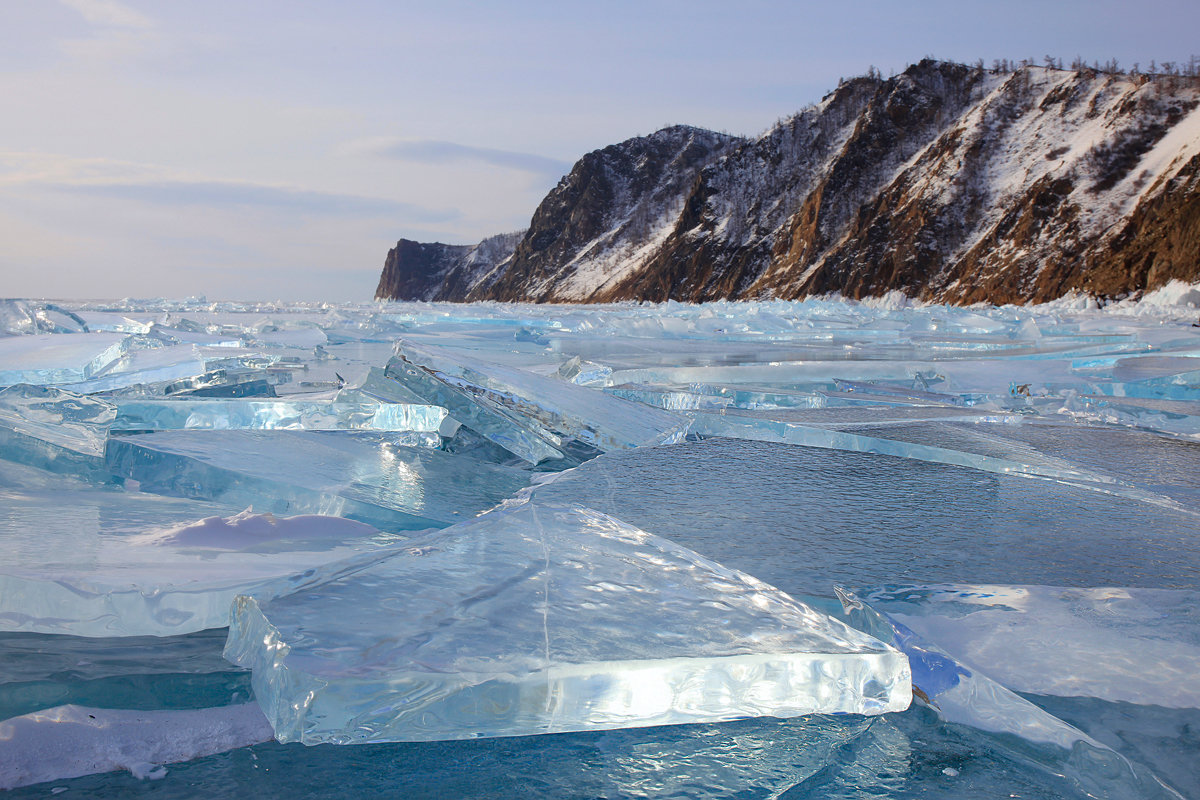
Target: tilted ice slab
(1063, 641)
(146, 365)
(55, 430)
(964, 696)
(595, 418)
(248, 414)
(108, 563)
(519, 435)
(57, 358)
(541, 619)
(377, 478)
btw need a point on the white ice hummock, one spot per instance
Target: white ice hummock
(540, 619)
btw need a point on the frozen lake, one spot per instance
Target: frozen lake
(736, 550)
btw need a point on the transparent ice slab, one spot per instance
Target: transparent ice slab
(296, 414)
(519, 622)
(55, 430)
(590, 415)
(523, 437)
(1061, 641)
(57, 358)
(106, 562)
(377, 478)
(963, 696)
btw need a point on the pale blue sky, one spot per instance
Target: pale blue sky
(275, 149)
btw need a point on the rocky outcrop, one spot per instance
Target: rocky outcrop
(947, 182)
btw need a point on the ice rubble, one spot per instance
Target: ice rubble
(414, 416)
(519, 622)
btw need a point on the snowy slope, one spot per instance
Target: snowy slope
(946, 182)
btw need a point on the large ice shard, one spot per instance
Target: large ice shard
(57, 358)
(1062, 641)
(589, 415)
(377, 478)
(95, 561)
(541, 619)
(523, 437)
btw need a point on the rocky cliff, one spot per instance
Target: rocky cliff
(946, 182)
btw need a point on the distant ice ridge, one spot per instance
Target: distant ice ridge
(543, 619)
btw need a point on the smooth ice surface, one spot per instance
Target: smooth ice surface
(821, 517)
(1094, 642)
(543, 619)
(104, 562)
(380, 479)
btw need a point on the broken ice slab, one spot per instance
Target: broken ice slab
(231, 414)
(518, 622)
(1062, 641)
(590, 415)
(55, 430)
(964, 696)
(519, 435)
(103, 562)
(145, 365)
(669, 398)
(57, 358)
(377, 478)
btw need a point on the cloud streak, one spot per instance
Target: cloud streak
(437, 151)
(222, 194)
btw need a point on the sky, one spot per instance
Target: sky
(275, 149)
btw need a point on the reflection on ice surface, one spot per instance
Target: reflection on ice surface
(93, 561)
(144, 446)
(519, 622)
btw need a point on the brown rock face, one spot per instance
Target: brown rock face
(414, 271)
(946, 182)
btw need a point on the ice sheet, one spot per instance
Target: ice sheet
(377, 478)
(105, 562)
(519, 622)
(1062, 641)
(68, 741)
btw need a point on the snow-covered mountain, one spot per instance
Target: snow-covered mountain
(946, 182)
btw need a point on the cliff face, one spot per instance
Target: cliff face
(945, 182)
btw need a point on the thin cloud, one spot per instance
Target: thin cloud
(110, 13)
(436, 151)
(221, 194)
